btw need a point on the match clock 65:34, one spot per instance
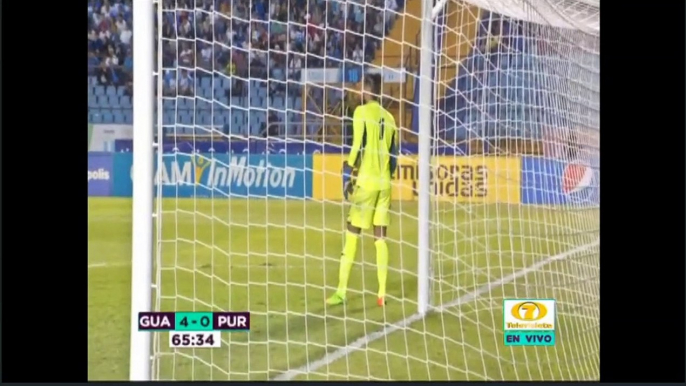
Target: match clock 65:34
(209, 339)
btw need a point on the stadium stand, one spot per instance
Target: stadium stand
(495, 93)
(236, 50)
(493, 80)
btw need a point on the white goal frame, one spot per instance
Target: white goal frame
(143, 171)
(148, 148)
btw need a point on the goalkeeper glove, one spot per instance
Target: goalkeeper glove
(347, 179)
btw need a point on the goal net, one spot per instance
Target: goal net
(253, 106)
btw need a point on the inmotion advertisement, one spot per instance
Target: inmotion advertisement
(222, 175)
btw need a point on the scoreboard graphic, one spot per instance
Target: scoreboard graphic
(194, 329)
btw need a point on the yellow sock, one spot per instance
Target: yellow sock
(381, 265)
(347, 259)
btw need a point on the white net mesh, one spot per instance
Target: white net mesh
(526, 95)
(253, 108)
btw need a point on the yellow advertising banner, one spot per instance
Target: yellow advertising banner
(475, 179)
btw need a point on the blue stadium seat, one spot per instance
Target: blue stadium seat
(240, 102)
(107, 117)
(206, 118)
(206, 81)
(223, 101)
(96, 117)
(277, 102)
(218, 92)
(183, 103)
(119, 117)
(92, 102)
(168, 117)
(281, 115)
(103, 102)
(125, 102)
(120, 91)
(201, 104)
(99, 90)
(113, 101)
(234, 129)
(236, 117)
(111, 90)
(185, 118)
(128, 117)
(227, 83)
(227, 116)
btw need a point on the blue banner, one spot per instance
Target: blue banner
(258, 147)
(554, 182)
(99, 174)
(223, 175)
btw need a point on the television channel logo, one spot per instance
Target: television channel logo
(529, 322)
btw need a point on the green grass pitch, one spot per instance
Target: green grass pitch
(279, 260)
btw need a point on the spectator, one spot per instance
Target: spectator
(295, 66)
(206, 56)
(170, 83)
(390, 12)
(104, 75)
(243, 39)
(358, 54)
(185, 83)
(93, 62)
(271, 128)
(125, 35)
(128, 62)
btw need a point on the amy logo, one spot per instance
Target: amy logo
(200, 164)
(579, 182)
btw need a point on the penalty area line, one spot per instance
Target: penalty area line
(367, 339)
(239, 266)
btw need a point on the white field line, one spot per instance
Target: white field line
(365, 340)
(242, 266)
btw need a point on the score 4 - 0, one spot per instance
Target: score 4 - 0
(211, 339)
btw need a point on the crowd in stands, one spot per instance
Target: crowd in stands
(252, 39)
(205, 42)
(245, 37)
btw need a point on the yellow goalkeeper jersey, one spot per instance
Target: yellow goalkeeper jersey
(374, 138)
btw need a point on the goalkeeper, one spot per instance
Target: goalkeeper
(373, 160)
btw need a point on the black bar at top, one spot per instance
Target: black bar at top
(231, 321)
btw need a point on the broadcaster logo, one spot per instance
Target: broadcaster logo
(529, 322)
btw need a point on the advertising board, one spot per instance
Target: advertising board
(223, 175)
(99, 174)
(555, 182)
(457, 179)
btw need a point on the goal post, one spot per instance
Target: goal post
(143, 189)
(498, 198)
(424, 157)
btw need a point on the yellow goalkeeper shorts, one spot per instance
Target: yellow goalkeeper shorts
(370, 207)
